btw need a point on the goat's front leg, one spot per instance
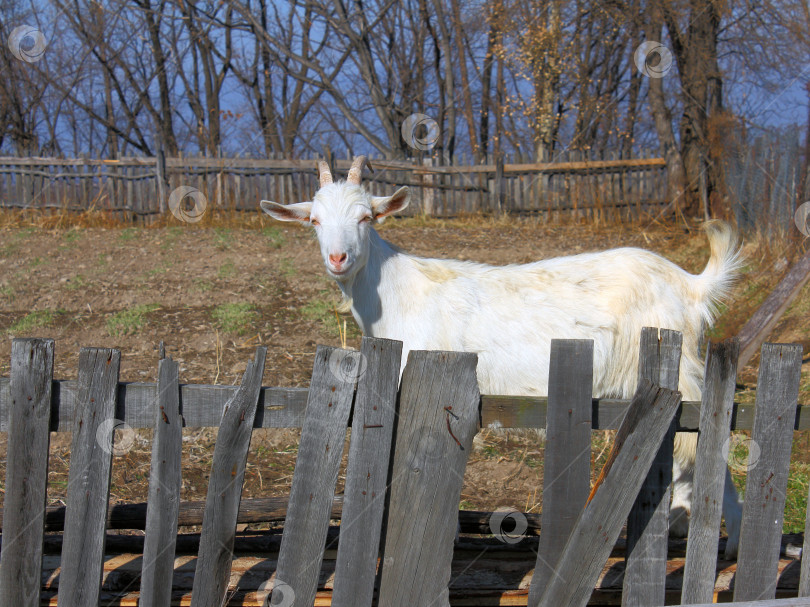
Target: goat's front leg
(682, 477)
(732, 513)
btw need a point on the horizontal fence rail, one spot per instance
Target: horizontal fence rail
(140, 187)
(284, 408)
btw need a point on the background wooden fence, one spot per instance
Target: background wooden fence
(403, 509)
(138, 188)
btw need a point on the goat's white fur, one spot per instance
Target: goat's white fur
(508, 315)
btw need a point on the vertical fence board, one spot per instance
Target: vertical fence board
(438, 417)
(710, 472)
(804, 578)
(89, 477)
(164, 491)
(648, 523)
(225, 489)
(636, 444)
(26, 472)
(316, 468)
(367, 473)
(766, 484)
(567, 461)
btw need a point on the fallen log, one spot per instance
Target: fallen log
(756, 330)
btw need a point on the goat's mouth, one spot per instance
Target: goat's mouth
(338, 273)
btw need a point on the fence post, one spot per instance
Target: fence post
(710, 472)
(320, 449)
(766, 483)
(164, 489)
(367, 472)
(26, 472)
(438, 417)
(162, 184)
(428, 193)
(567, 465)
(648, 523)
(88, 490)
(500, 185)
(218, 533)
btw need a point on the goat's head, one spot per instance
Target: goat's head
(342, 213)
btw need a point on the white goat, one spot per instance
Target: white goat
(509, 314)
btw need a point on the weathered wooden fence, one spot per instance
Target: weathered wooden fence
(409, 445)
(141, 187)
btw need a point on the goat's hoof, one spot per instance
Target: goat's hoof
(678, 521)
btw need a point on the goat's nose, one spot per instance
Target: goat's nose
(337, 259)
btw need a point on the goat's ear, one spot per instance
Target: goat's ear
(288, 212)
(383, 206)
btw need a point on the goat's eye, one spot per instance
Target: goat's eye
(314, 221)
(365, 219)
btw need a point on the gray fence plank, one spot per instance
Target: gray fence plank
(648, 523)
(316, 468)
(600, 523)
(438, 418)
(804, 578)
(567, 461)
(164, 491)
(367, 473)
(88, 487)
(766, 484)
(213, 568)
(26, 472)
(710, 472)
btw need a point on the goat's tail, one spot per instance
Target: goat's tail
(716, 280)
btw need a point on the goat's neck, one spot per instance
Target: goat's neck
(375, 290)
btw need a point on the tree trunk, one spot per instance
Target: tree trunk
(662, 116)
(546, 80)
(701, 92)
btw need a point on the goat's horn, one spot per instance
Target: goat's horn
(356, 172)
(325, 173)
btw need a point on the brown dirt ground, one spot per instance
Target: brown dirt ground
(83, 277)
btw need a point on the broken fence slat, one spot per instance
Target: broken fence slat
(567, 461)
(88, 489)
(766, 483)
(367, 473)
(225, 489)
(26, 472)
(710, 472)
(438, 418)
(164, 490)
(648, 522)
(600, 523)
(316, 469)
